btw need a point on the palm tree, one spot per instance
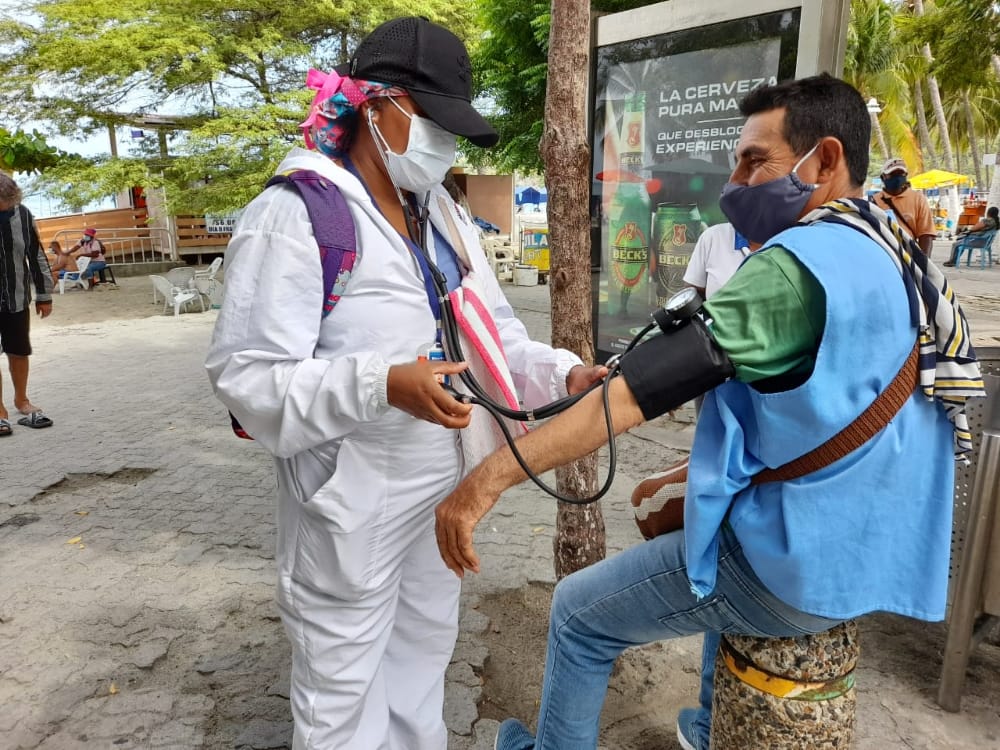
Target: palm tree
(935, 94)
(964, 38)
(873, 66)
(966, 45)
(923, 132)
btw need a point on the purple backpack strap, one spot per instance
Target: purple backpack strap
(333, 228)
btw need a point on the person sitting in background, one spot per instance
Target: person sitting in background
(988, 223)
(62, 260)
(91, 247)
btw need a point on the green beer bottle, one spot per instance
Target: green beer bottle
(629, 218)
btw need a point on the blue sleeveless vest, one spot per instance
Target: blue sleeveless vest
(871, 531)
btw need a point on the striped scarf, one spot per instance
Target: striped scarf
(949, 371)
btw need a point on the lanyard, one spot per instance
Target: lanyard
(425, 271)
(419, 253)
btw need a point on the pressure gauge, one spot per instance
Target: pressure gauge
(679, 308)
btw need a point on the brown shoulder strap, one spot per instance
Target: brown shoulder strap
(871, 421)
(899, 216)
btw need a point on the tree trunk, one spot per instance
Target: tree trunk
(923, 133)
(580, 535)
(970, 125)
(939, 118)
(877, 128)
(994, 197)
(935, 92)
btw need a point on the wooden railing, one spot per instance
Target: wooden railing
(128, 238)
(122, 220)
(125, 244)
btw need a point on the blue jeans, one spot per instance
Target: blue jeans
(640, 596)
(93, 267)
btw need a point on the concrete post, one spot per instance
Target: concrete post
(785, 693)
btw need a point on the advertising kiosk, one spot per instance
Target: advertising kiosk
(667, 80)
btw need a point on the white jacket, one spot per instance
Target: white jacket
(301, 384)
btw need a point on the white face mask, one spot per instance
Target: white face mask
(430, 152)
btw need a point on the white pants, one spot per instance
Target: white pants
(372, 615)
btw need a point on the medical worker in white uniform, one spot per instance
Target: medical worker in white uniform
(364, 438)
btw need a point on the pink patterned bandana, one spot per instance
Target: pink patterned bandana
(331, 115)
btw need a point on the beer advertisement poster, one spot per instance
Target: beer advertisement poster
(666, 122)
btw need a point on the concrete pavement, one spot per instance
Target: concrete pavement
(136, 540)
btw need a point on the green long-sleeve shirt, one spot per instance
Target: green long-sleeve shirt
(769, 317)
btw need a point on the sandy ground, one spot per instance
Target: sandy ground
(130, 299)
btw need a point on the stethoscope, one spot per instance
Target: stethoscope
(678, 309)
(686, 302)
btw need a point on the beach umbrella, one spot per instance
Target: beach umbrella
(937, 178)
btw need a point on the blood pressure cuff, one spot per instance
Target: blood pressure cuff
(669, 370)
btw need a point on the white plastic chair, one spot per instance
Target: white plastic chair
(74, 278)
(181, 277)
(175, 295)
(208, 285)
(209, 273)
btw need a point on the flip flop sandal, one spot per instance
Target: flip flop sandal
(5, 429)
(35, 420)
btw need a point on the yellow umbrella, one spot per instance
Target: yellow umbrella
(937, 178)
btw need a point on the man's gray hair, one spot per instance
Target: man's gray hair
(10, 193)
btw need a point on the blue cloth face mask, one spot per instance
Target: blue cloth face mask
(759, 212)
(894, 183)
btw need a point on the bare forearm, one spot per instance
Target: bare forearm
(573, 434)
(569, 436)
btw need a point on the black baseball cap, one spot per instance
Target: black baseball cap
(432, 65)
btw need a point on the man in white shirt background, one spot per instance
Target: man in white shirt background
(718, 253)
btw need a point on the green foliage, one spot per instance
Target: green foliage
(245, 162)
(964, 35)
(234, 71)
(77, 182)
(511, 63)
(27, 152)
(884, 58)
(880, 63)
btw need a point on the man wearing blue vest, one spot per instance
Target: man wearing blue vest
(812, 329)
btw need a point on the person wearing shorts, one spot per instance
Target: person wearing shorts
(23, 266)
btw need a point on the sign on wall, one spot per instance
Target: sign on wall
(665, 125)
(221, 223)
